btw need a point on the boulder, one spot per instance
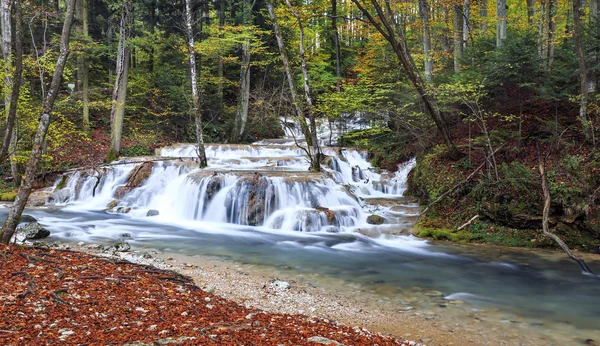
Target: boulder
(27, 219)
(375, 219)
(33, 230)
(152, 212)
(121, 246)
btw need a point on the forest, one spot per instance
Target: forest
(492, 85)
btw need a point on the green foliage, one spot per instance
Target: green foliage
(8, 196)
(137, 150)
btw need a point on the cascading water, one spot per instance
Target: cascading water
(266, 185)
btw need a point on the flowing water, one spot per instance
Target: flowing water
(259, 204)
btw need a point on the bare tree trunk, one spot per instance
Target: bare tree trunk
(336, 47)
(288, 73)
(9, 226)
(16, 85)
(82, 63)
(466, 23)
(220, 63)
(387, 31)
(583, 78)
(458, 37)
(553, 6)
(545, 216)
(424, 13)
(241, 116)
(483, 13)
(501, 22)
(5, 24)
(202, 162)
(120, 90)
(531, 12)
(315, 165)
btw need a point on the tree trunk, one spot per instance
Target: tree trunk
(553, 5)
(241, 116)
(120, 90)
(220, 63)
(336, 47)
(483, 13)
(8, 229)
(82, 63)
(384, 27)
(5, 25)
(458, 37)
(531, 12)
(466, 23)
(315, 165)
(424, 14)
(202, 161)
(501, 22)
(583, 78)
(16, 86)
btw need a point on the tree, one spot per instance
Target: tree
(458, 37)
(501, 22)
(202, 162)
(383, 24)
(83, 77)
(16, 83)
(424, 14)
(583, 73)
(14, 214)
(117, 112)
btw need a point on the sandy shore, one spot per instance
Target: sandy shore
(446, 323)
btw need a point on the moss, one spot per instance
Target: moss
(62, 183)
(111, 156)
(375, 220)
(444, 234)
(8, 196)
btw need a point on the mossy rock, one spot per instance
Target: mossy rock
(62, 183)
(375, 220)
(140, 174)
(112, 204)
(27, 218)
(445, 234)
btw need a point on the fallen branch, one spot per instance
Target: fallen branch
(58, 299)
(545, 227)
(467, 223)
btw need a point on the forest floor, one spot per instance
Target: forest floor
(57, 296)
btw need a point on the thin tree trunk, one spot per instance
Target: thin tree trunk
(9, 226)
(551, 30)
(220, 63)
(543, 33)
(120, 90)
(16, 85)
(466, 23)
(5, 25)
(424, 14)
(336, 47)
(384, 27)
(202, 161)
(545, 217)
(82, 63)
(583, 78)
(483, 13)
(241, 116)
(315, 165)
(458, 37)
(531, 12)
(288, 73)
(501, 22)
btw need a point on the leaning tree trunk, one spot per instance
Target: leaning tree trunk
(202, 162)
(16, 86)
(289, 77)
(120, 90)
(382, 24)
(315, 165)
(583, 78)
(424, 13)
(8, 229)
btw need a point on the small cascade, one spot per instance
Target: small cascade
(266, 185)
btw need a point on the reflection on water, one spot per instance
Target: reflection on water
(543, 287)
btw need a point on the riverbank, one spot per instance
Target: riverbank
(441, 323)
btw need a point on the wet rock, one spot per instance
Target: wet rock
(126, 235)
(123, 210)
(112, 204)
(121, 246)
(375, 219)
(27, 219)
(152, 212)
(34, 230)
(322, 340)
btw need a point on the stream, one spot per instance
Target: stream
(258, 204)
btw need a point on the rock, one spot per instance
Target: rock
(425, 340)
(126, 235)
(34, 230)
(152, 212)
(112, 204)
(27, 218)
(324, 341)
(280, 285)
(375, 219)
(123, 210)
(121, 246)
